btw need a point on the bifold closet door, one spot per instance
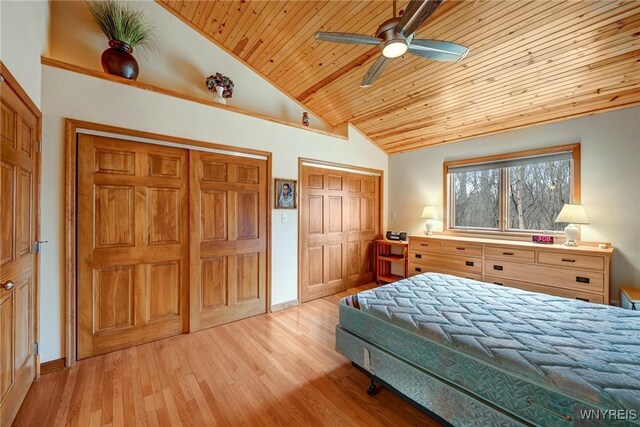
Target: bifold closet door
(229, 206)
(340, 220)
(132, 243)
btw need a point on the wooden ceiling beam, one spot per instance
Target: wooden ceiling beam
(356, 63)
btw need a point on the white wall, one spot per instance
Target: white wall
(24, 36)
(181, 61)
(72, 95)
(610, 150)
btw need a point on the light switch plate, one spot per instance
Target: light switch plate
(285, 217)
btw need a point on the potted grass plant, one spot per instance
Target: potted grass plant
(126, 28)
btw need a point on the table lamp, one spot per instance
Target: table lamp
(572, 214)
(429, 213)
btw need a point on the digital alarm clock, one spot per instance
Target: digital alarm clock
(544, 239)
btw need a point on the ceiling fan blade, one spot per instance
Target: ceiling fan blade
(438, 50)
(416, 12)
(375, 71)
(347, 38)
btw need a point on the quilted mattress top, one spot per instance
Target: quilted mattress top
(585, 350)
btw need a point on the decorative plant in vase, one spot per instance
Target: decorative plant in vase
(221, 86)
(126, 28)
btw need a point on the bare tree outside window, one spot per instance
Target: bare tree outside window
(511, 193)
(537, 193)
(475, 196)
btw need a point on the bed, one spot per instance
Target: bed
(482, 354)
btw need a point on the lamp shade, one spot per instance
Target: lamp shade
(429, 212)
(572, 214)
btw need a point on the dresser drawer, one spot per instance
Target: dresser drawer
(550, 290)
(453, 262)
(420, 268)
(425, 245)
(462, 249)
(582, 280)
(512, 254)
(571, 260)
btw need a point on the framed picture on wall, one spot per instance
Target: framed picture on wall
(286, 193)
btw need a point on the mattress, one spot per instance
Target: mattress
(543, 358)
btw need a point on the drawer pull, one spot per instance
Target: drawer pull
(498, 267)
(544, 408)
(468, 263)
(470, 278)
(568, 260)
(583, 299)
(498, 283)
(418, 256)
(424, 244)
(418, 269)
(460, 248)
(507, 253)
(580, 279)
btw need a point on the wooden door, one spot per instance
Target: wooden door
(340, 220)
(133, 243)
(19, 129)
(229, 206)
(363, 227)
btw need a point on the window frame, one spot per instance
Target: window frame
(503, 200)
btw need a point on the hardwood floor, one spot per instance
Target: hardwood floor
(274, 369)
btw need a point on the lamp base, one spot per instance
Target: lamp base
(571, 234)
(429, 229)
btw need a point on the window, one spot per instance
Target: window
(517, 192)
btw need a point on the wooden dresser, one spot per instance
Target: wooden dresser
(574, 272)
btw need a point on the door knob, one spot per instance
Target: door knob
(8, 285)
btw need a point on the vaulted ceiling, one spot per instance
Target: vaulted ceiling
(530, 62)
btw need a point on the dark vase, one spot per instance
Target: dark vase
(119, 61)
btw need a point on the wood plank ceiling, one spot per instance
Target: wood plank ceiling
(531, 62)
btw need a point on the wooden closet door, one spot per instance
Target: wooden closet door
(19, 130)
(363, 213)
(229, 205)
(339, 221)
(132, 249)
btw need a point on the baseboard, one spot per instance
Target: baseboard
(52, 366)
(283, 305)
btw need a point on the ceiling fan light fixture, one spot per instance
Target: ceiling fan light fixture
(394, 48)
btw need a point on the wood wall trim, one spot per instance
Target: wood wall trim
(12, 82)
(52, 366)
(81, 124)
(513, 155)
(446, 196)
(168, 92)
(70, 242)
(71, 127)
(245, 63)
(22, 94)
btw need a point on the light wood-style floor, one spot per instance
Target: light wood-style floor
(274, 369)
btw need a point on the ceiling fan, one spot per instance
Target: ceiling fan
(396, 36)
